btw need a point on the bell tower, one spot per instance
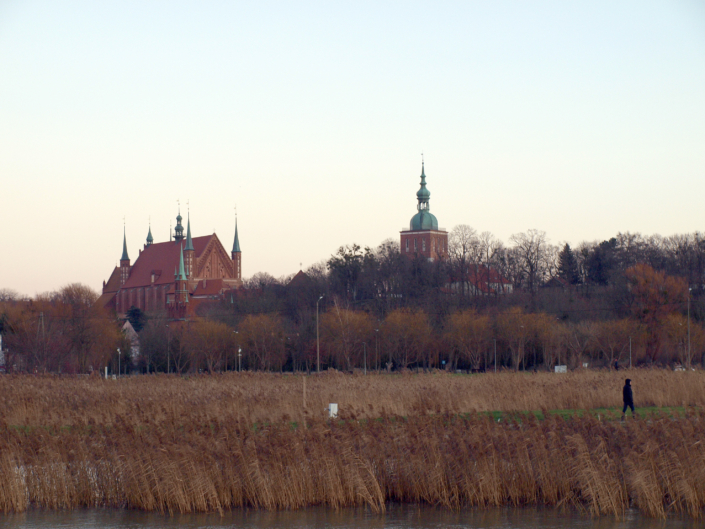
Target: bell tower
(179, 307)
(179, 229)
(424, 238)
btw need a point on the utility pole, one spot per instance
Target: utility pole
(376, 350)
(689, 289)
(630, 352)
(364, 345)
(495, 354)
(318, 340)
(168, 344)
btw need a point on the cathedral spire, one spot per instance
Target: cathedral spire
(124, 257)
(181, 275)
(236, 241)
(189, 242)
(150, 239)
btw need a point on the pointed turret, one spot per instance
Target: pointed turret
(150, 239)
(189, 242)
(178, 308)
(236, 255)
(236, 241)
(124, 260)
(189, 251)
(124, 257)
(181, 275)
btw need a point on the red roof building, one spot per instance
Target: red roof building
(482, 281)
(174, 276)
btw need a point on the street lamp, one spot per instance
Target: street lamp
(318, 340)
(238, 348)
(364, 345)
(689, 289)
(118, 361)
(376, 350)
(239, 359)
(495, 354)
(168, 346)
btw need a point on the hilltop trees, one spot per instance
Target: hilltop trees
(568, 266)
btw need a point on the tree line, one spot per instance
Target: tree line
(630, 298)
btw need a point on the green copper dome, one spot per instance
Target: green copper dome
(424, 220)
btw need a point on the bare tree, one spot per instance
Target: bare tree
(489, 251)
(532, 250)
(463, 250)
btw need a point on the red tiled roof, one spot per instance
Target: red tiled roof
(163, 258)
(299, 279)
(208, 287)
(106, 301)
(113, 284)
(479, 275)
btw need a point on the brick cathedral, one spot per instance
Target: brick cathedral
(202, 270)
(424, 237)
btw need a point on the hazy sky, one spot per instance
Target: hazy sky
(579, 119)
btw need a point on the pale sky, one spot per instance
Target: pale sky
(579, 119)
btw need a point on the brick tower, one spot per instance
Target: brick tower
(179, 307)
(124, 260)
(424, 237)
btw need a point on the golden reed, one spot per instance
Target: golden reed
(214, 443)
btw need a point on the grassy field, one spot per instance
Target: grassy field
(212, 443)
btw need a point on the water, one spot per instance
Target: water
(397, 516)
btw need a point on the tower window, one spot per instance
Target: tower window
(415, 248)
(423, 245)
(407, 245)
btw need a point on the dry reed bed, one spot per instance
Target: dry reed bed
(189, 445)
(658, 464)
(262, 397)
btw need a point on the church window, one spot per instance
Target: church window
(407, 245)
(423, 245)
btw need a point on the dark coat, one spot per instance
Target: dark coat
(627, 395)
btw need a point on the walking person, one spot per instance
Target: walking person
(627, 397)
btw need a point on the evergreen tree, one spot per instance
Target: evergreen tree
(137, 318)
(568, 266)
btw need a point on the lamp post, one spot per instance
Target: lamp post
(168, 346)
(376, 350)
(239, 359)
(118, 361)
(689, 289)
(495, 354)
(238, 350)
(318, 341)
(364, 346)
